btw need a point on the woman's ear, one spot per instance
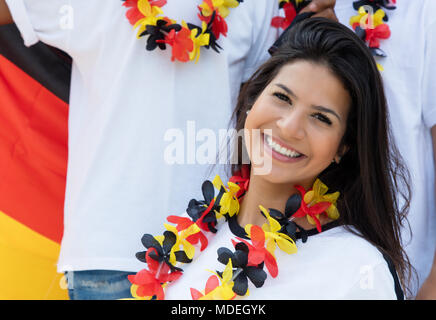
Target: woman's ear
(343, 149)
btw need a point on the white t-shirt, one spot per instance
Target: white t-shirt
(128, 106)
(331, 265)
(410, 86)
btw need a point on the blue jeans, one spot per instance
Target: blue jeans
(98, 285)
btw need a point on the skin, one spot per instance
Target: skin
(323, 8)
(311, 121)
(428, 289)
(5, 15)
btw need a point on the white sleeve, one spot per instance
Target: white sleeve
(429, 77)
(49, 21)
(265, 35)
(376, 282)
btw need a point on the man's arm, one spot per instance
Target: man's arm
(5, 15)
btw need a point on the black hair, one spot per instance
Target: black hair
(371, 176)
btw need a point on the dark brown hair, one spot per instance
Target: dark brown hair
(371, 176)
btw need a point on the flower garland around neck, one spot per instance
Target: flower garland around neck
(369, 24)
(185, 39)
(177, 245)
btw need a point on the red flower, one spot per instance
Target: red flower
(183, 223)
(312, 211)
(133, 14)
(181, 43)
(150, 281)
(157, 3)
(373, 36)
(219, 24)
(211, 284)
(148, 285)
(242, 179)
(204, 225)
(216, 23)
(290, 14)
(257, 252)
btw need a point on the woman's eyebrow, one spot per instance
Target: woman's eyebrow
(319, 108)
(327, 110)
(289, 91)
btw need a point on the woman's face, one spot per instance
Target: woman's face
(301, 117)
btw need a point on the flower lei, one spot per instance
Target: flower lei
(369, 24)
(185, 39)
(176, 246)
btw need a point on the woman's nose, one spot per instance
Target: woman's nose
(292, 124)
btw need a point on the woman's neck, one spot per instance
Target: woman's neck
(269, 195)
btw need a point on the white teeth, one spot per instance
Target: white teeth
(282, 150)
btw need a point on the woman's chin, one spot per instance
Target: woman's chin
(275, 175)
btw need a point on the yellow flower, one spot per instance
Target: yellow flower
(273, 236)
(221, 5)
(181, 241)
(133, 289)
(147, 9)
(150, 13)
(319, 194)
(368, 20)
(229, 203)
(223, 291)
(198, 40)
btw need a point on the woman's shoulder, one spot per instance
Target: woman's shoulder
(369, 271)
(346, 250)
(347, 240)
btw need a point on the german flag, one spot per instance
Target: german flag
(34, 92)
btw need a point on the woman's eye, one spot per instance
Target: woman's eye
(282, 97)
(322, 118)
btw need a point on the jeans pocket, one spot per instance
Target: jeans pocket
(98, 284)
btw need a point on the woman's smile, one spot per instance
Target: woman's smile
(280, 151)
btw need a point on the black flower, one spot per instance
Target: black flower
(241, 271)
(197, 209)
(163, 252)
(157, 34)
(288, 227)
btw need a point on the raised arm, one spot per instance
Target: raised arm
(5, 15)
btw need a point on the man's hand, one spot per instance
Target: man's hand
(323, 8)
(5, 15)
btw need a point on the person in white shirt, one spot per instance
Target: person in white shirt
(410, 86)
(315, 113)
(125, 103)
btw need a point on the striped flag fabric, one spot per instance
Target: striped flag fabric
(34, 92)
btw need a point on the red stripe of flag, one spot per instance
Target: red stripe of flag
(33, 152)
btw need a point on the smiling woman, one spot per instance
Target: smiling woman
(322, 98)
(316, 111)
